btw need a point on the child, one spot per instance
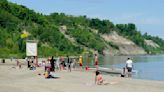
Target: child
(123, 73)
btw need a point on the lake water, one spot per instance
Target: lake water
(147, 67)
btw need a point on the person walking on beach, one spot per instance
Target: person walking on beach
(96, 61)
(81, 62)
(129, 66)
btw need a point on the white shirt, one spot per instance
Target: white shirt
(58, 62)
(129, 63)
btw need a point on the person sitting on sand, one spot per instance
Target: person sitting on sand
(47, 74)
(100, 81)
(98, 78)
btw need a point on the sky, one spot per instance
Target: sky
(148, 15)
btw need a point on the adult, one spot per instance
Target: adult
(81, 62)
(17, 61)
(47, 65)
(100, 81)
(52, 61)
(28, 63)
(48, 74)
(96, 61)
(3, 60)
(58, 63)
(98, 78)
(74, 63)
(62, 63)
(129, 66)
(69, 62)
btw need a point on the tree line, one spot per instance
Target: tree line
(17, 18)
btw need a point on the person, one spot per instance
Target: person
(43, 64)
(100, 81)
(96, 61)
(47, 74)
(3, 60)
(98, 78)
(28, 64)
(69, 62)
(123, 73)
(33, 66)
(52, 61)
(47, 65)
(57, 63)
(86, 68)
(129, 66)
(61, 63)
(20, 65)
(74, 63)
(81, 62)
(17, 61)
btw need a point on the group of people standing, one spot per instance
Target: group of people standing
(86, 67)
(64, 63)
(60, 63)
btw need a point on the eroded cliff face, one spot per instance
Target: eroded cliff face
(151, 43)
(126, 47)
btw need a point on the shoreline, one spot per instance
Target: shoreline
(23, 62)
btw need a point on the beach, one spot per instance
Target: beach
(13, 79)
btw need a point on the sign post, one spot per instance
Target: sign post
(31, 49)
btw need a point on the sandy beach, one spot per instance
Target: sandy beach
(25, 80)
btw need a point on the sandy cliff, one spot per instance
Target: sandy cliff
(126, 47)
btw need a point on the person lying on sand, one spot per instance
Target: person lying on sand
(48, 75)
(100, 81)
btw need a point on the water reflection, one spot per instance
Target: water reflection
(112, 60)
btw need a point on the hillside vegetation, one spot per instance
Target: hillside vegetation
(85, 32)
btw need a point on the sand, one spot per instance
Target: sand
(24, 80)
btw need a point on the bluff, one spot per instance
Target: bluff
(61, 34)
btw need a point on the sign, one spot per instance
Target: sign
(31, 49)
